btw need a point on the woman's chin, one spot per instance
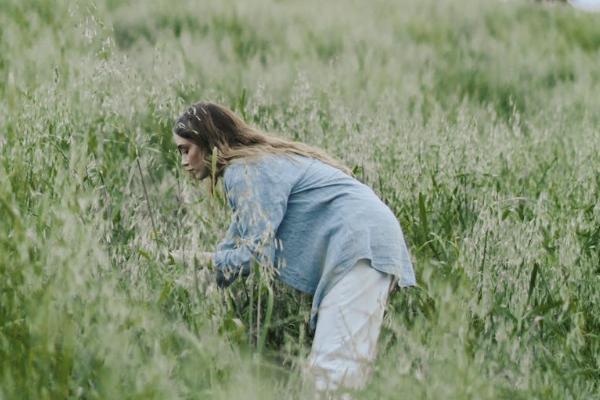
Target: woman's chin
(200, 176)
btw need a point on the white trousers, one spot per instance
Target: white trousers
(348, 326)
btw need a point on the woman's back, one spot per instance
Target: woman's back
(324, 220)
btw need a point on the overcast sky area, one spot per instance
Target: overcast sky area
(587, 5)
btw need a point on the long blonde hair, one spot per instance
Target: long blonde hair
(219, 131)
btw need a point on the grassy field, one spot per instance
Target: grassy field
(475, 121)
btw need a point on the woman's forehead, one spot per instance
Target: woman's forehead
(181, 141)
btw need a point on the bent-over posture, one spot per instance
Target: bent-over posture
(300, 211)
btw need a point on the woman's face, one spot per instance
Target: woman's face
(192, 157)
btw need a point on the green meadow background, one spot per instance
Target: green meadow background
(477, 122)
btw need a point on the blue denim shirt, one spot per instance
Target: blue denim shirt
(309, 221)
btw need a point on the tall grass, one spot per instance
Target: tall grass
(476, 122)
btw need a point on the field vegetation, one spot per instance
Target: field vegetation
(475, 121)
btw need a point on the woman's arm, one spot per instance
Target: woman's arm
(258, 199)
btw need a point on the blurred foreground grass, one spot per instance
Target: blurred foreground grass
(477, 123)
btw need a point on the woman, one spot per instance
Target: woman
(301, 212)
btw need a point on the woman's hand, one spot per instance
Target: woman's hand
(203, 257)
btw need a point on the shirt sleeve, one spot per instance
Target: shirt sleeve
(258, 199)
